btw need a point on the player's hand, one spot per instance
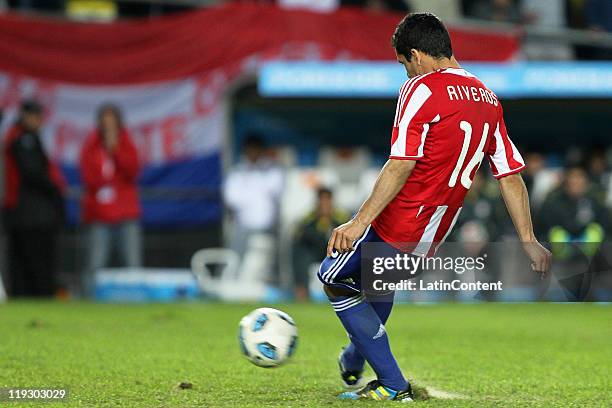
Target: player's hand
(541, 257)
(343, 236)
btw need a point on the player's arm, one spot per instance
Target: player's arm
(506, 163)
(515, 196)
(415, 110)
(390, 181)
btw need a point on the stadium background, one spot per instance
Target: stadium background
(318, 83)
(195, 79)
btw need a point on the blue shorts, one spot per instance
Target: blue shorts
(344, 270)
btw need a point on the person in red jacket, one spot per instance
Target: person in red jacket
(33, 207)
(111, 208)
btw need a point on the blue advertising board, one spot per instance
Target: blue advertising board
(383, 79)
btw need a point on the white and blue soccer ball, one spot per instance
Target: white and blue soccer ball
(268, 337)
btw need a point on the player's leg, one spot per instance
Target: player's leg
(382, 303)
(338, 269)
(367, 334)
(351, 359)
(341, 276)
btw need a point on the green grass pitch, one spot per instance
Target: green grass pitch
(498, 355)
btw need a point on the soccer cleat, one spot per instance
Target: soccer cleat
(378, 392)
(350, 379)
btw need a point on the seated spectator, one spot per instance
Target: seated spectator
(252, 195)
(311, 239)
(479, 206)
(111, 208)
(33, 208)
(599, 172)
(574, 214)
(538, 179)
(535, 162)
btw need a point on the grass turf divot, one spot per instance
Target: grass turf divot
(421, 393)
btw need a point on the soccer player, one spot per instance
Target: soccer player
(446, 122)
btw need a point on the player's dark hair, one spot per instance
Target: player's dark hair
(424, 32)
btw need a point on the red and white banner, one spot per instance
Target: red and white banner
(169, 121)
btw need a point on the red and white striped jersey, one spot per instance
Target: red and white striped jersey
(447, 121)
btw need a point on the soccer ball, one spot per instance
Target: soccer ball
(267, 337)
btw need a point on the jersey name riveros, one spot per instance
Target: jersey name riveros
(471, 93)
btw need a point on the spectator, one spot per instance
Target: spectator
(573, 214)
(109, 169)
(539, 179)
(502, 11)
(598, 172)
(311, 239)
(252, 194)
(535, 163)
(33, 206)
(479, 207)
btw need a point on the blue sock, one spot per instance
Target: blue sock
(352, 360)
(368, 335)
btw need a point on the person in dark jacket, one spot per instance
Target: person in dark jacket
(573, 214)
(33, 207)
(310, 235)
(111, 207)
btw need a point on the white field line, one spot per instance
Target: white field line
(440, 394)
